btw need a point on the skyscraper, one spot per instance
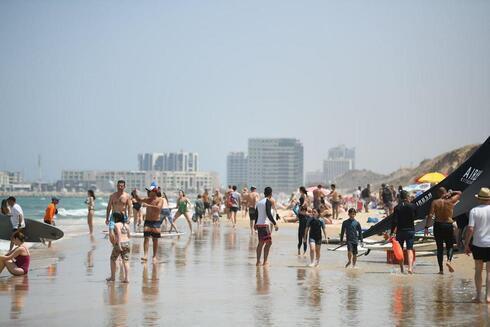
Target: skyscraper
(340, 160)
(237, 169)
(277, 163)
(172, 161)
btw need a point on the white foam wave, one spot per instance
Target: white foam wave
(77, 212)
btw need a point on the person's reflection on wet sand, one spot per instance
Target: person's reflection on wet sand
(117, 298)
(443, 298)
(215, 236)
(314, 288)
(402, 305)
(150, 294)
(300, 275)
(252, 245)
(90, 261)
(18, 287)
(230, 239)
(263, 306)
(181, 253)
(263, 283)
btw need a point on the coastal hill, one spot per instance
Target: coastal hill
(445, 163)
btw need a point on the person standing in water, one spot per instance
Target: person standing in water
(18, 259)
(153, 204)
(404, 216)
(119, 205)
(263, 219)
(50, 213)
(137, 215)
(479, 229)
(252, 199)
(353, 233)
(166, 214)
(182, 209)
(207, 203)
(304, 204)
(235, 201)
(90, 201)
(441, 211)
(121, 248)
(313, 233)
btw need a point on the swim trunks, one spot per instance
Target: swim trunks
(406, 236)
(117, 216)
(352, 247)
(152, 228)
(263, 233)
(234, 209)
(252, 212)
(480, 253)
(124, 252)
(317, 241)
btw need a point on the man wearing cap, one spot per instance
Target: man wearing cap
(252, 198)
(153, 204)
(479, 229)
(51, 212)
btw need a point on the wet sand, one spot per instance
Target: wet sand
(211, 279)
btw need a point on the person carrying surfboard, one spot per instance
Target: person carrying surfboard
(353, 233)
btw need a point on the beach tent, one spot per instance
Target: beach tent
(433, 178)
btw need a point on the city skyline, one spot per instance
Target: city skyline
(399, 83)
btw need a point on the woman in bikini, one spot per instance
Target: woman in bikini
(16, 261)
(91, 210)
(182, 209)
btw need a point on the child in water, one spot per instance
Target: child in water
(353, 232)
(215, 214)
(120, 243)
(313, 233)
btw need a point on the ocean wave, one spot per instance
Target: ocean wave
(77, 212)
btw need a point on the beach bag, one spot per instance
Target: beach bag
(296, 209)
(397, 250)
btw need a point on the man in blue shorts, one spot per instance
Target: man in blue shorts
(402, 224)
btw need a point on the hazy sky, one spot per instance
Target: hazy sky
(89, 84)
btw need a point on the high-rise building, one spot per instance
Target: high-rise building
(315, 178)
(340, 160)
(172, 161)
(275, 162)
(236, 169)
(344, 153)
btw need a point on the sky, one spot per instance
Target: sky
(90, 84)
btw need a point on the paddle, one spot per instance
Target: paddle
(338, 247)
(365, 253)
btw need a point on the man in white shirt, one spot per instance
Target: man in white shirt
(263, 219)
(479, 229)
(16, 217)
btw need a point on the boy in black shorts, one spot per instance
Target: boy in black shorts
(313, 233)
(353, 232)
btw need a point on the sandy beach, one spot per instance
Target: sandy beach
(210, 278)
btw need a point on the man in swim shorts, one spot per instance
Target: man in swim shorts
(252, 199)
(119, 206)
(263, 219)
(153, 204)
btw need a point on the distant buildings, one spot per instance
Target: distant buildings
(172, 161)
(275, 162)
(339, 161)
(13, 181)
(237, 169)
(73, 180)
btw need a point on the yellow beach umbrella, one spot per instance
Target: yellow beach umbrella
(433, 178)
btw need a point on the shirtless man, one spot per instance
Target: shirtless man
(217, 199)
(244, 204)
(335, 199)
(153, 204)
(318, 197)
(207, 203)
(252, 199)
(119, 205)
(441, 210)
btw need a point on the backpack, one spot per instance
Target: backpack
(232, 201)
(387, 195)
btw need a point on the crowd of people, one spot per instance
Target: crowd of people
(311, 214)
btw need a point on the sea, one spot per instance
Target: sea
(72, 214)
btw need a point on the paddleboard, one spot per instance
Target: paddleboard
(35, 231)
